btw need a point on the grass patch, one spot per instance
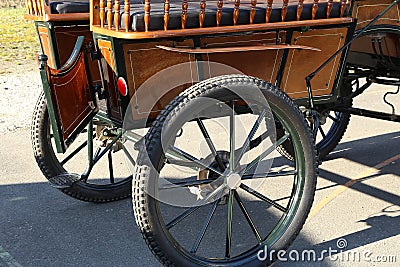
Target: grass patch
(18, 40)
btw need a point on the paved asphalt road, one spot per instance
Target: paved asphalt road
(40, 226)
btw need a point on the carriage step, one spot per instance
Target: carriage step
(64, 180)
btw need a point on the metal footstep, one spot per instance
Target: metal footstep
(64, 180)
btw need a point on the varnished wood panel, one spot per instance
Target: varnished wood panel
(46, 45)
(65, 42)
(302, 62)
(366, 11)
(390, 44)
(144, 61)
(261, 64)
(110, 79)
(72, 96)
(105, 48)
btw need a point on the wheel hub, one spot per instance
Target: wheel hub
(233, 180)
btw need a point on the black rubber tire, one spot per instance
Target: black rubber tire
(146, 208)
(49, 165)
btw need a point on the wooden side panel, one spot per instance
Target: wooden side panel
(261, 64)
(366, 11)
(390, 44)
(170, 74)
(302, 62)
(72, 97)
(110, 80)
(46, 45)
(66, 38)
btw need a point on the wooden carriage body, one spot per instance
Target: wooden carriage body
(278, 41)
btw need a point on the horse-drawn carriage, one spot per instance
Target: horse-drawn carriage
(220, 109)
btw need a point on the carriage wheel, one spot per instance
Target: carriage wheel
(105, 183)
(210, 188)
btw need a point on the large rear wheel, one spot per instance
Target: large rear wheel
(210, 187)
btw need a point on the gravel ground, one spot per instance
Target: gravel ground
(19, 93)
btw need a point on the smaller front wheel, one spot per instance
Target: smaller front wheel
(109, 179)
(210, 188)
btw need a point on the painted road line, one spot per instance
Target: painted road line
(315, 209)
(8, 259)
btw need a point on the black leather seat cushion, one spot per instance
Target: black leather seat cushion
(71, 6)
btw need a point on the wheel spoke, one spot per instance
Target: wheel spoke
(250, 136)
(322, 131)
(186, 183)
(228, 241)
(210, 144)
(128, 155)
(333, 118)
(248, 218)
(193, 159)
(232, 137)
(265, 153)
(110, 166)
(204, 228)
(182, 216)
(270, 174)
(262, 197)
(73, 153)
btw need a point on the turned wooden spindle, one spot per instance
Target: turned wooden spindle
(299, 9)
(342, 7)
(29, 6)
(166, 14)
(102, 14)
(109, 14)
(252, 10)
(284, 9)
(329, 8)
(39, 5)
(42, 4)
(220, 4)
(202, 14)
(147, 8)
(117, 15)
(184, 13)
(35, 7)
(127, 18)
(314, 9)
(268, 10)
(236, 11)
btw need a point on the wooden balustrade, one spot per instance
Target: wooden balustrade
(109, 14)
(117, 15)
(102, 13)
(299, 9)
(147, 7)
(236, 11)
(253, 10)
(329, 8)
(202, 14)
(268, 10)
(218, 16)
(342, 7)
(166, 14)
(127, 17)
(314, 9)
(284, 9)
(184, 13)
(110, 17)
